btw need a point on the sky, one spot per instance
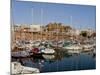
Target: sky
(77, 16)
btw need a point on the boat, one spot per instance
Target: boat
(73, 47)
(60, 44)
(36, 43)
(88, 47)
(35, 52)
(18, 54)
(66, 43)
(17, 68)
(42, 48)
(74, 51)
(48, 51)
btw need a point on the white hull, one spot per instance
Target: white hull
(20, 54)
(87, 47)
(73, 47)
(36, 44)
(17, 68)
(74, 51)
(48, 51)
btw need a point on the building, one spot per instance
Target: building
(35, 28)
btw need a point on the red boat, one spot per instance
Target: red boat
(36, 52)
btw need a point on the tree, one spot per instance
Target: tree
(83, 33)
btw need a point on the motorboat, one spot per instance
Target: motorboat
(36, 52)
(41, 48)
(73, 47)
(48, 51)
(88, 47)
(60, 44)
(66, 43)
(36, 44)
(74, 51)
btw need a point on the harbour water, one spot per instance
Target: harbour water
(62, 61)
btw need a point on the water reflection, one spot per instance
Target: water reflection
(61, 61)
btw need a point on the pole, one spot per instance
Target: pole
(41, 21)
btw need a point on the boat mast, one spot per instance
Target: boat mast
(12, 29)
(32, 23)
(41, 22)
(50, 32)
(71, 24)
(62, 32)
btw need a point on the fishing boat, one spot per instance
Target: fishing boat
(17, 68)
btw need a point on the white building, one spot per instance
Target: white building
(74, 32)
(35, 28)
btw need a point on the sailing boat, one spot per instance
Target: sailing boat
(35, 51)
(45, 50)
(19, 49)
(73, 48)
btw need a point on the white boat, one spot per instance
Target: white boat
(20, 54)
(60, 44)
(76, 51)
(48, 51)
(29, 46)
(41, 48)
(73, 47)
(27, 70)
(36, 44)
(17, 68)
(88, 47)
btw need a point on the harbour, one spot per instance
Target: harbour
(39, 56)
(52, 37)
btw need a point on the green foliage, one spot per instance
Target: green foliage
(83, 33)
